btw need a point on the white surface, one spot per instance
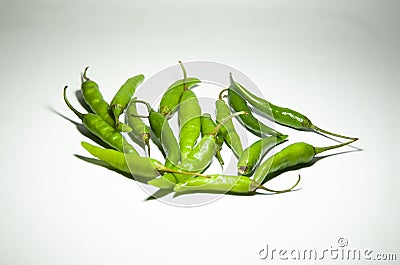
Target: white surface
(336, 61)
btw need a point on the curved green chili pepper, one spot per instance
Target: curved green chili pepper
(131, 163)
(163, 131)
(139, 129)
(202, 154)
(93, 97)
(198, 160)
(124, 95)
(160, 126)
(128, 163)
(224, 183)
(96, 125)
(284, 116)
(207, 126)
(294, 154)
(171, 98)
(249, 121)
(228, 130)
(252, 155)
(189, 119)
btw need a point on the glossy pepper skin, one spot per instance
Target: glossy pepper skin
(201, 156)
(166, 181)
(207, 126)
(281, 115)
(228, 130)
(252, 155)
(197, 161)
(249, 121)
(189, 115)
(292, 155)
(93, 97)
(160, 126)
(128, 163)
(217, 182)
(171, 98)
(124, 95)
(107, 133)
(139, 129)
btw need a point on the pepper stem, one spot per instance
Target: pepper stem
(84, 74)
(80, 115)
(220, 97)
(280, 191)
(147, 106)
(218, 127)
(315, 128)
(185, 87)
(318, 150)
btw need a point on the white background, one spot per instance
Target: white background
(337, 61)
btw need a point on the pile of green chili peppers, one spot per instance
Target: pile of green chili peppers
(200, 138)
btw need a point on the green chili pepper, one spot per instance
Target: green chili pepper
(171, 98)
(284, 116)
(201, 156)
(128, 163)
(160, 126)
(139, 129)
(207, 126)
(294, 154)
(249, 121)
(189, 121)
(163, 131)
(189, 118)
(131, 163)
(252, 155)
(93, 97)
(96, 125)
(198, 160)
(166, 181)
(224, 183)
(124, 95)
(231, 137)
